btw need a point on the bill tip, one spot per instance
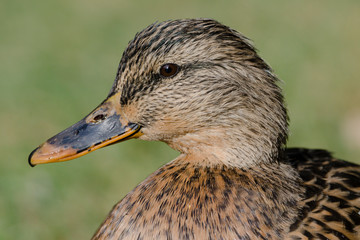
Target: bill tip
(30, 156)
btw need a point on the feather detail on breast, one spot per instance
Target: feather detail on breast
(183, 201)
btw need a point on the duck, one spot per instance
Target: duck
(202, 88)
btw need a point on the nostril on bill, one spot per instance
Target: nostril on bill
(99, 117)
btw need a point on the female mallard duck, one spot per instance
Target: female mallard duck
(200, 87)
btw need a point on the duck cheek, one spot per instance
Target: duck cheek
(149, 134)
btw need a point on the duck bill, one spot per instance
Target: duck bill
(102, 127)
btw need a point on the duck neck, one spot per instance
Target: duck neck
(229, 148)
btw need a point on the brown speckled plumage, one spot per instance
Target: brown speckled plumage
(223, 111)
(332, 199)
(186, 201)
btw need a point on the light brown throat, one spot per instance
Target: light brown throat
(185, 201)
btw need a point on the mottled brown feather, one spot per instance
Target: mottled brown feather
(186, 201)
(332, 199)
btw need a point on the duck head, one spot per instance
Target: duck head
(195, 84)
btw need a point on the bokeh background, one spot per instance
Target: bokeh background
(58, 60)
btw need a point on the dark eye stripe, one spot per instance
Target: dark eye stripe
(169, 70)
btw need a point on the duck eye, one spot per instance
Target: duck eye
(169, 70)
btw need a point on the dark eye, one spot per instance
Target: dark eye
(169, 70)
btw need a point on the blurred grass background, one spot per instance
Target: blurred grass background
(58, 60)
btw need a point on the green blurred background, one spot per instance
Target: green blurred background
(58, 60)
